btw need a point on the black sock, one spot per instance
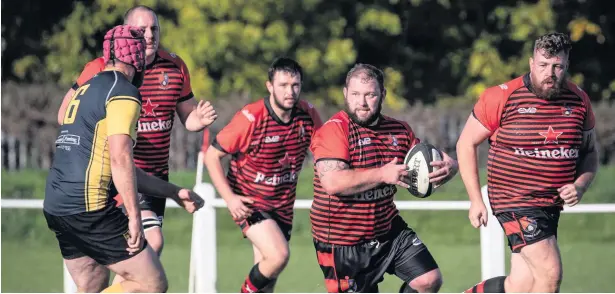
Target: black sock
(255, 281)
(493, 285)
(405, 288)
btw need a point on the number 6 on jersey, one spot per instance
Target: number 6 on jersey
(71, 112)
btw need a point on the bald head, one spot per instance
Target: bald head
(145, 17)
(139, 8)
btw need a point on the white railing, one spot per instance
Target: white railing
(203, 247)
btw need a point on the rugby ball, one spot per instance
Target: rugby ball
(418, 161)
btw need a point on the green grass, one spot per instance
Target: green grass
(31, 261)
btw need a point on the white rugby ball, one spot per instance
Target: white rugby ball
(418, 160)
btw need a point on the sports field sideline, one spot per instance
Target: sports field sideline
(31, 261)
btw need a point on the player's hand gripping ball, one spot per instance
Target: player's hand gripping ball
(418, 161)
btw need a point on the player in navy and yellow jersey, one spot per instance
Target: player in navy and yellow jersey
(267, 141)
(166, 90)
(93, 157)
(358, 233)
(542, 155)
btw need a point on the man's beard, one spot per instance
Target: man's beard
(280, 105)
(367, 122)
(548, 93)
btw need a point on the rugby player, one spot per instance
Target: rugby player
(268, 141)
(93, 157)
(165, 90)
(358, 233)
(542, 155)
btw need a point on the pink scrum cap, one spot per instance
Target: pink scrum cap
(126, 44)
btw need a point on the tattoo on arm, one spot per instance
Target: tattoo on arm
(326, 166)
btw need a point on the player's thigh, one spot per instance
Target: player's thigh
(356, 268)
(413, 263)
(258, 256)
(266, 235)
(88, 275)
(103, 235)
(533, 233)
(144, 267)
(544, 259)
(520, 278)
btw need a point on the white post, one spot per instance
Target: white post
(492, 247)
(203, 252)
(69, 284)
(199, 168)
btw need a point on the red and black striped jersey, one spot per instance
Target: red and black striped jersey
(268, 154)
(166, 83)
(349, 220)
(535, 142)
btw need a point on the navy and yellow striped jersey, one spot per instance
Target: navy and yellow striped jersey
(80, 176)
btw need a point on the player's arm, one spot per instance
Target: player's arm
(213, 162)
(338, 179)
(67, 97)
(122, 116)
(331, 155)
(194, 116)
(91, 69)
(473, 134)
(234, 138)
(588, 163)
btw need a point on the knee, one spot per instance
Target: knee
(550, 279)
(155, 239)
(160, 285)
(281, 257)
(428, 282)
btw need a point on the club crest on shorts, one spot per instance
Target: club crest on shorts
(529, 226)
(348, 285)
(164, 80)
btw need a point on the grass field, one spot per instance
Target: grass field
(31, 261)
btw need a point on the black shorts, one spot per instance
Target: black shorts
(528, 226)
(151, 203)
(101, 235)
(259, 216)
(360, 268)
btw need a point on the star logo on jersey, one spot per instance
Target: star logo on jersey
(287, 161)
(148, 108)
(551, 135)
(164, 80)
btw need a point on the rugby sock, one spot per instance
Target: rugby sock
(115, 288)
(255, 281)
(405, 288)
(493, 285)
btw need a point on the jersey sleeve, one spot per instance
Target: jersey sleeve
(186, 92)
(411, 136)
(90, 70)
(235, 137)
(590, 119)
(315, 117)
(488, 109)
(122, 115)
(331, 142)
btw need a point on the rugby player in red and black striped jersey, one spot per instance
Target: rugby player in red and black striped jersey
(268, 141)
(165, 90)
(358, 233)
(542, 155)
